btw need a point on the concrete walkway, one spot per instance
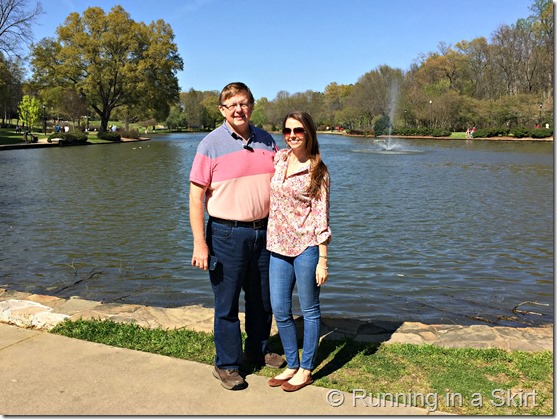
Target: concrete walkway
(46, 374)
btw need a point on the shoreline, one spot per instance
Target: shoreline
(424, 137)
(43, 143)
(43, 312)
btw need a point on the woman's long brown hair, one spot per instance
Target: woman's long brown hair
(318, 169)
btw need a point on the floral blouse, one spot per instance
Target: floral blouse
(296, 221)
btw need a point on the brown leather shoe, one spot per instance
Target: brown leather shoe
(270, 360)
(286, 386)
(273, 360)
(277, 382)
(230, 379)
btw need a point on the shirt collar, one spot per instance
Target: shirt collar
(236, 136)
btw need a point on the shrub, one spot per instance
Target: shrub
(541, 133)
(482, 133)
(491, 132)
(381, 126)
(130, 134)
(520, 132)
(69, 138)
(109, 136)
(439, 132)
(424, 131)
(500, 132)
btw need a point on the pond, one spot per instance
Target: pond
(430, 230)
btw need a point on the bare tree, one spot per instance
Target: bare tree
(16, 24)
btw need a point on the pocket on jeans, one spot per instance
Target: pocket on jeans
(220, 231)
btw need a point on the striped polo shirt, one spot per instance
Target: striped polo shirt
(238, 179)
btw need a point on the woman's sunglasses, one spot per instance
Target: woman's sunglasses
(297, 131)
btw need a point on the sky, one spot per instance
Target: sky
(300, 45)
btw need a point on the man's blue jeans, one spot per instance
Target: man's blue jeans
(284, 273)
(243, 263)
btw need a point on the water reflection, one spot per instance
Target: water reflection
(448, 232)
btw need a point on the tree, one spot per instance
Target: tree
(193, 109)
(476, 63)
(11, 91)
(29, 111)
(211, 115)
(259, 116)
(176, 118)
(16, 23)
(375, 93)
(543, 32)
(334, 99)
(112, 62)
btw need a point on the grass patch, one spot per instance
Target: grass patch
(9, 136)
(458, 381)
(458, 135)
(179, 343)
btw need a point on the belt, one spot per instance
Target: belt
(256, 225)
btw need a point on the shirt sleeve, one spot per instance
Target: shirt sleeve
(201, 169)
(320, 210)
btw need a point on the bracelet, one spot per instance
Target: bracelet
(323, 257)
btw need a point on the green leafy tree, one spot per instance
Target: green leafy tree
(373, 95)
(176, 118)
(211, 115)
(259, 116)
(11, 91)
(193, 108)
(112, 61)
(334, 99)
(29, 111)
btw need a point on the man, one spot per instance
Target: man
(231, 176)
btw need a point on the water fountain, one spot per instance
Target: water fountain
(390, 145)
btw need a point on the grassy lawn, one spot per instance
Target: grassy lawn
(458, 381)
(9, 136)
(458, 135)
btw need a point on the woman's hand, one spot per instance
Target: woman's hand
(321, 273)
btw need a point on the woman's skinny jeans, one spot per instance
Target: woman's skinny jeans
(284, 273)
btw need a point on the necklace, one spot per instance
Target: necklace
(294, 164)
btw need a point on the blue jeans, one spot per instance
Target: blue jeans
(284, 273)
(243, 263)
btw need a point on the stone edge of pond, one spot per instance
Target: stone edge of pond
(43, 312)
(43, 143)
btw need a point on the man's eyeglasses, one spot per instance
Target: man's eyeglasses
(244, 106)
(297, 131)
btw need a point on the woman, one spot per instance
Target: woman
(297, 236)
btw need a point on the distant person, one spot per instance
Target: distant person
(298, 236)
(230, 177)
